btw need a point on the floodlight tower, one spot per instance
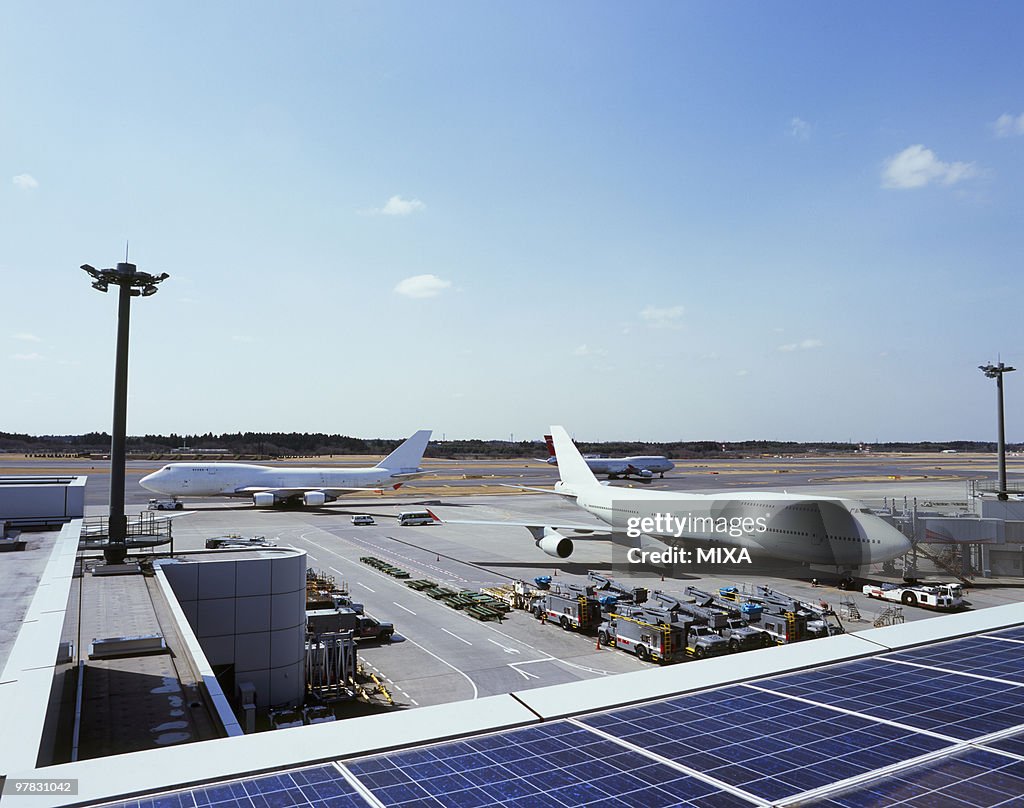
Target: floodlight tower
(131, 283)
(996, 372)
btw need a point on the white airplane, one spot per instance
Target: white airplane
(643, 467)
(268, 485)
(832, 533)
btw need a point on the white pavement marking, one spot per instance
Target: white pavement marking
(456, 636)
(505, 648)
(476, 693)
(405, 608)
(364, 586)
(525, 674)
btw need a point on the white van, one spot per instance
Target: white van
(416, 518)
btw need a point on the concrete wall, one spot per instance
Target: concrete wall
(249, 612)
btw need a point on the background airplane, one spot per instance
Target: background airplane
(641, 467)
(832, 534)
(268, 485)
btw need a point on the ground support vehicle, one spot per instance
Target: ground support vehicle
(647, 637)
(940, 597)
(572, 606)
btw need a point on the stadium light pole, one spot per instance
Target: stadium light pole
(996, 372)
(131, 283)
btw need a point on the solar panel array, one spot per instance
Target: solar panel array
(934, 725)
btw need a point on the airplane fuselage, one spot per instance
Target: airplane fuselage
(625, 466)
(238, 479)
(827, 531)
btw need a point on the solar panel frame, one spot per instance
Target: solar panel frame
(972, 777)
(981, 656)
(1015, 633)
(317, 786)
(557, 764)
(950, 704)
(788, 746)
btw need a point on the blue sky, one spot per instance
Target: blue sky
(658, 221)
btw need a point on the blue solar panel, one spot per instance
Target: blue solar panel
(978, 655)
(557, 765)
(1012, 633)
(320, 787)
(765, 744)
(948, 703)
(975, 778)
(1014, 744)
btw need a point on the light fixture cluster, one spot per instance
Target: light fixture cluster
(139, 283)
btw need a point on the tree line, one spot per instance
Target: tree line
(283, 444)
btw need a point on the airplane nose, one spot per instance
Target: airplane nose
(147, 481)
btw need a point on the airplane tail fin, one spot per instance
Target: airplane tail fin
(572, 468)
(551, 445)
(407, 457)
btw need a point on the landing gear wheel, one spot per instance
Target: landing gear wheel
(847, 584)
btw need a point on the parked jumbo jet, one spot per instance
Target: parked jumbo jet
(273, 486)
(641, 467)
(831, 533)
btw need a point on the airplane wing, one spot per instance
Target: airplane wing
(565, 494)
(531, 526)
(298, 492)
(164, 517)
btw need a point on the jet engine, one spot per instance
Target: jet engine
(644, 474)
(314, 498)
(263, 499)
(555, 544)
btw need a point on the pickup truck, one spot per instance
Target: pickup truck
(369, 628)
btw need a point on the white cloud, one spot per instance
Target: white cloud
(422, 286)
(396, 206)
(27, 357)
(1007, 125)
(742, 372)
(916, 167)
(25, 182)
(26, 337)
(803, 345)
(799, 129)
(586, 350)
(662, 316)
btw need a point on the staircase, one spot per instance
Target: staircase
(890, 617)
(947, 565)
(848, 610)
